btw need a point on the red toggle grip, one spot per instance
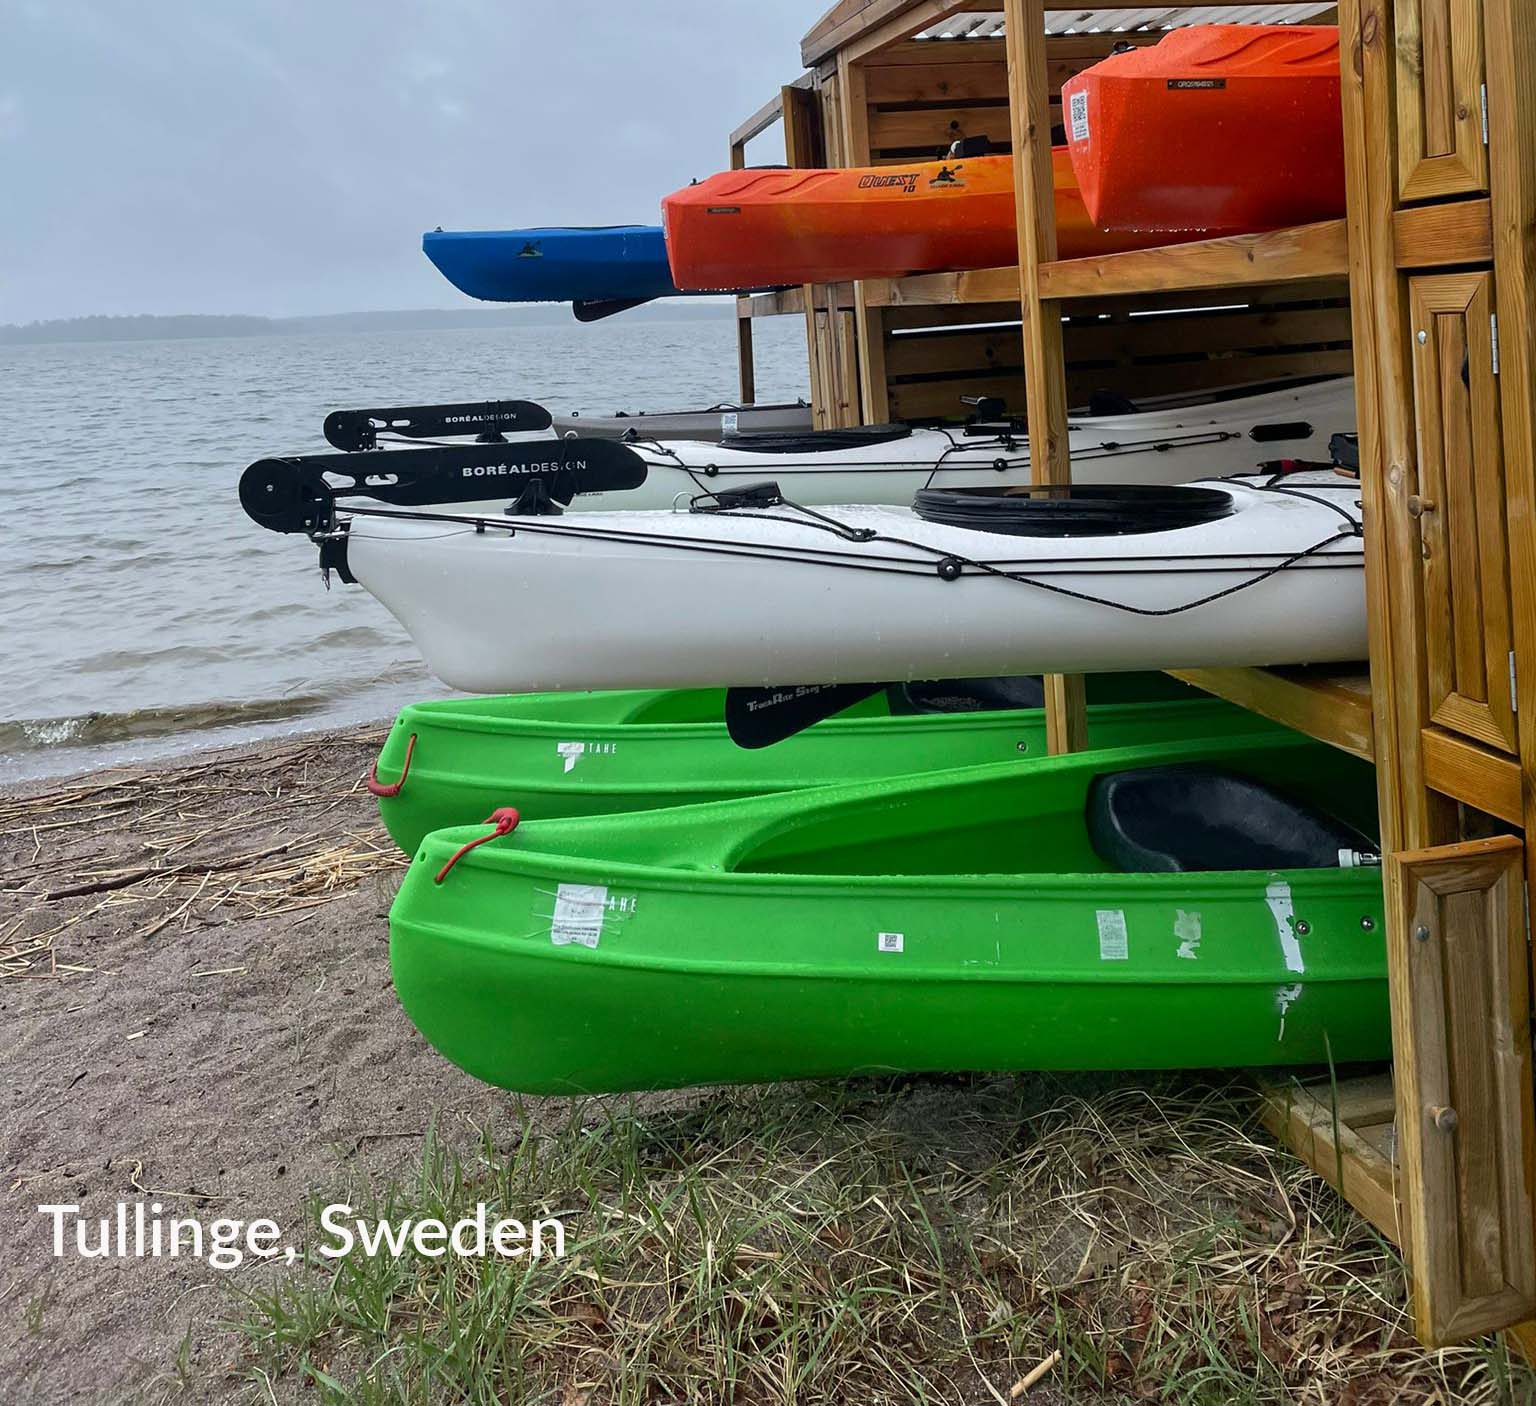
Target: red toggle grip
(504, 818)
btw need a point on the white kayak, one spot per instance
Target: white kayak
(889, 463)
(710, 423)
(1241, 571)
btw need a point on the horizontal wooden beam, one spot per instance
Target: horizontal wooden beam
(1301, 253)
(1472, 774)
(1000, 285)
(759, 122)
(786, 300)
(1331, 703)
(854, 34)
(1454, 232)
(859, 27)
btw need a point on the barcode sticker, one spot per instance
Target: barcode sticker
(1114, 944)
(729, 422)
(892, 942)
(578, 914)
(1078, 111)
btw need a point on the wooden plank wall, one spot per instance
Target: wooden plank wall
(921, 96)
(934, 355)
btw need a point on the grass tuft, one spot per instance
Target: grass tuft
(902, 1241)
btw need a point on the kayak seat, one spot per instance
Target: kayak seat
(1072, 509)
(814, 441)
(1193, 819)
(1108, 402)
(967, 695)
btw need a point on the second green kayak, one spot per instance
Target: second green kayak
(1184, 905)
(452, 762)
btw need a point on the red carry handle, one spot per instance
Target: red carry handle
(377, 787)
(504, 818)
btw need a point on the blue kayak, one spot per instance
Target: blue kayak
(617, 263)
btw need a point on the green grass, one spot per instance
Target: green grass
(894, 1241)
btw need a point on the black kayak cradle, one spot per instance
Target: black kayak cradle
(296, 494)
(358, 430)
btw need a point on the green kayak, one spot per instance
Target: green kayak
(554, 755)
(1190, 904)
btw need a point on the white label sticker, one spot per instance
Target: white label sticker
(1278, 897)
(728, 423)
(1078, 111)
(1186, 927)
(578, 915)
(1114, 944)
(892, 942)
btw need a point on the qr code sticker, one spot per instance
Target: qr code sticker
(1078, 111)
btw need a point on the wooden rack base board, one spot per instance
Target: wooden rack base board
(1329, 702)
(1344, 1131)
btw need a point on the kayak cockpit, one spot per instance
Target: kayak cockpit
(1271, 811)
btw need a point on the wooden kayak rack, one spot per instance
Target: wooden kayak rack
(1433, 270)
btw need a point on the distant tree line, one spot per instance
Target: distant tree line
(144, 327)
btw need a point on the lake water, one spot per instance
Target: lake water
(143, 613)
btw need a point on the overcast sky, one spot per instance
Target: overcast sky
(284, 156)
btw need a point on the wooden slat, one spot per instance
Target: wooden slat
(1472, 775)
(1462, 1035)
(1315, 1122)
(920, 53)
(1061, 50)
(1164, 340)
(1455, 232)
(932, 128)
(925, 400)
(940, 82)
(1278, 300)
(924, 397)
(1332, 704)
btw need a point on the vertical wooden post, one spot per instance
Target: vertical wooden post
(874, 405)
(1045, 375)
(746, 369)
(805, 128)
(745, 365)
(1510, 45)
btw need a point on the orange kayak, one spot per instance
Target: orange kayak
(1229, 128)
(751, 228)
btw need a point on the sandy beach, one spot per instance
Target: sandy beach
(195, 995)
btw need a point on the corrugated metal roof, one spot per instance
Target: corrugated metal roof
(989, 24)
